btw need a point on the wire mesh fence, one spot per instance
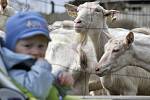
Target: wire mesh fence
(135, 13)
(139, 18)
(128, 18)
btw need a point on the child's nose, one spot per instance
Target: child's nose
(36, 52)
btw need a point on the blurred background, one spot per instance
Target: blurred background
(133, 13)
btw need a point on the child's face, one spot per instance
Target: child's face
(35, 46)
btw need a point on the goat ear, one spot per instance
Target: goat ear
(129, 38)
(111, 13)
(71, 9)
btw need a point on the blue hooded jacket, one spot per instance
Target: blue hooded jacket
(38, 80)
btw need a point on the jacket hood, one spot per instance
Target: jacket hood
(11, 58)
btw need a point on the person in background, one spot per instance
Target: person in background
(5, 12)
(25, 44)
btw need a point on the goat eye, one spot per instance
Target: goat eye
(115, 50)
(97, 10)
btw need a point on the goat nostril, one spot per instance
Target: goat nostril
(79, 21)
(97, 69)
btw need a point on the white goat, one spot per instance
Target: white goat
(63, 53)
(124, 51)
(91, 21)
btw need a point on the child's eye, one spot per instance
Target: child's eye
(41, 46)
(27, 45)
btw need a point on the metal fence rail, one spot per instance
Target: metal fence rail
(115, 97)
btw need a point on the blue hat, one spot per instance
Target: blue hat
(23, 25)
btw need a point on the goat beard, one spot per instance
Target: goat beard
(83, 59)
